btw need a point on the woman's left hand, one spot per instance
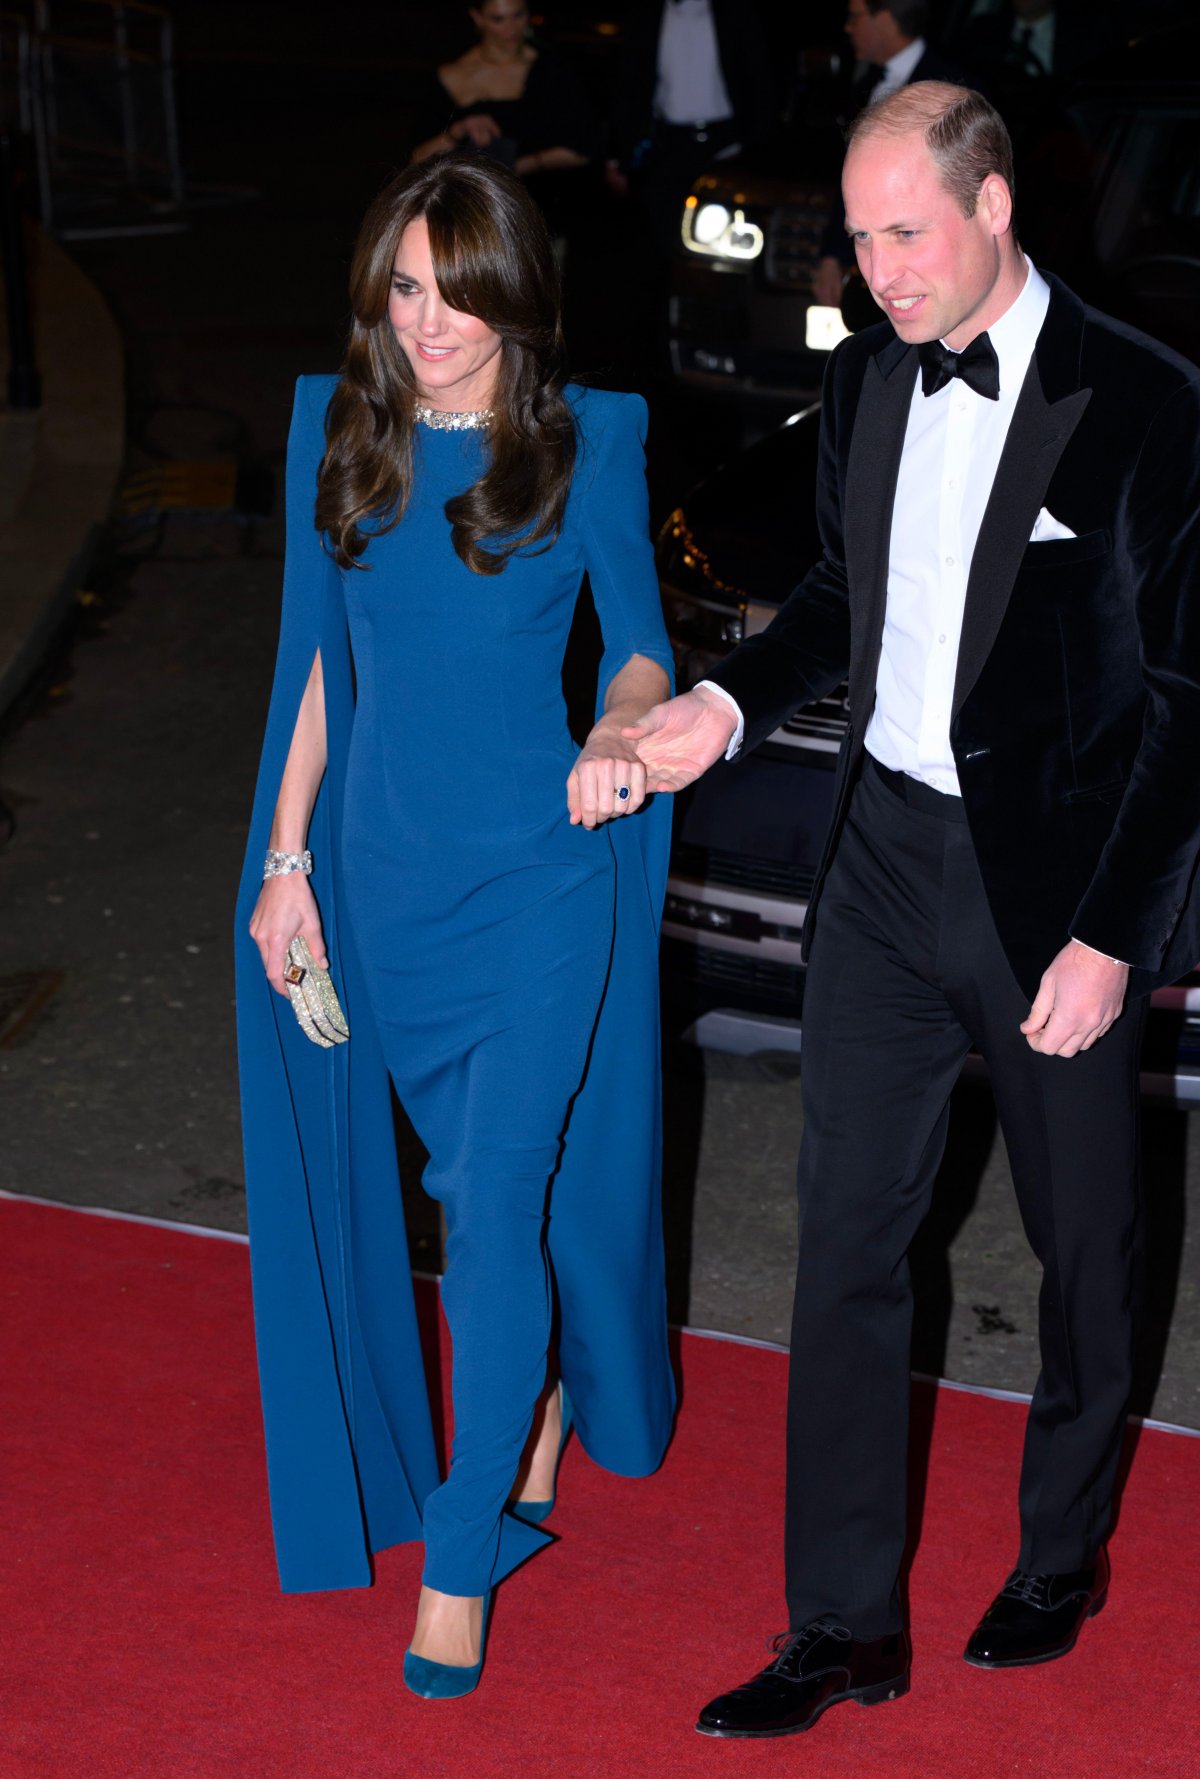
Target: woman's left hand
(607, 766)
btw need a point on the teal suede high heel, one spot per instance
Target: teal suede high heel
(534, 1512)
(446, 1680)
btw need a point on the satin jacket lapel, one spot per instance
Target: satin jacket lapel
(1037, 438)
(873, 466)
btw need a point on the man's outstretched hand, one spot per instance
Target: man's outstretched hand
(682, 738)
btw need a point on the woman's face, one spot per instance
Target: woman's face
(455, 358)
(502, 24)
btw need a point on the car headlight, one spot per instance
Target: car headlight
(709, 223)
(823, 328)
(718, 231)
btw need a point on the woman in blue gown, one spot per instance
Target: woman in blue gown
(487, 899)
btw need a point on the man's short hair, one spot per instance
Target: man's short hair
(911, 16)
(966, 136)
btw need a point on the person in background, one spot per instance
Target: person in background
(1035, 40)
(516, 100)
(696, 87)
(891, 51)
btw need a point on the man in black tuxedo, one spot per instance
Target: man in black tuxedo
(1009, 506)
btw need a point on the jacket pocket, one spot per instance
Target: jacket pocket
(1061, 552)
(1112, 792)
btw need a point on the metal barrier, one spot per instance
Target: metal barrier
(23, 382)
(96, 89)
(16, 108)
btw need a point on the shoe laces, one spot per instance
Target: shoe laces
(789, 1643)
(1031, 1590)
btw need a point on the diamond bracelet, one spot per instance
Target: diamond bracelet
(281, 864)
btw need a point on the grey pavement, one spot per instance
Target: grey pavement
(975, 1279)
(130, 777)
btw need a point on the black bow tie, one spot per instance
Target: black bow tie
(976, 364)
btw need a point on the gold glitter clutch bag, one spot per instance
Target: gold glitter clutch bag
(314, 998)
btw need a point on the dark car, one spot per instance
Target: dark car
(1108, 196)
(748, 838)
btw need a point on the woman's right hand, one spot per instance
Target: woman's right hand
(479, 129)
(286, 907)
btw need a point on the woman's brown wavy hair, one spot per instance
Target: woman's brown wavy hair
(492, 258)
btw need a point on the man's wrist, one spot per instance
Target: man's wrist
(714, 696)
(1082, 943)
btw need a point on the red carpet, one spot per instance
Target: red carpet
(145, 1638)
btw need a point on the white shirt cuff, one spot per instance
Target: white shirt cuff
(1103, 954)
(736, 739)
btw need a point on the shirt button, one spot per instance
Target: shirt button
(949, 562)
(962, 407)
(942, 637)
(952, 483)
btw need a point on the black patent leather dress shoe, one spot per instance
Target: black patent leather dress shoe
(1035, 1618)
(815, 1667)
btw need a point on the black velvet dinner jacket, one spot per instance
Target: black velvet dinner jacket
(1076, 712)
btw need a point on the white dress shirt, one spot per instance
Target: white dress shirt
(691, 87)
(952, 448)
(897, 71)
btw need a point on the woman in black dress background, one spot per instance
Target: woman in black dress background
(513, 98)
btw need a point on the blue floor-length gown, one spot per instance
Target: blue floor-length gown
(500, 964)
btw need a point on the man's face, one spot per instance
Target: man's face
(871, 34)
(933, 271)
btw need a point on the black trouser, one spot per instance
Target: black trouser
(906, 973)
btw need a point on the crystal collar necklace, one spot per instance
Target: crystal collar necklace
(441, 421)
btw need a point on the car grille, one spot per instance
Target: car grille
(736, 971)
(824, 722)
(793, 244)
(771, 877)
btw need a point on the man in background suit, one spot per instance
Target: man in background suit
(1037, 40)
(889, 41)
(696, 86)
(1027, 50)
(891, 50)
(1009, 505)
